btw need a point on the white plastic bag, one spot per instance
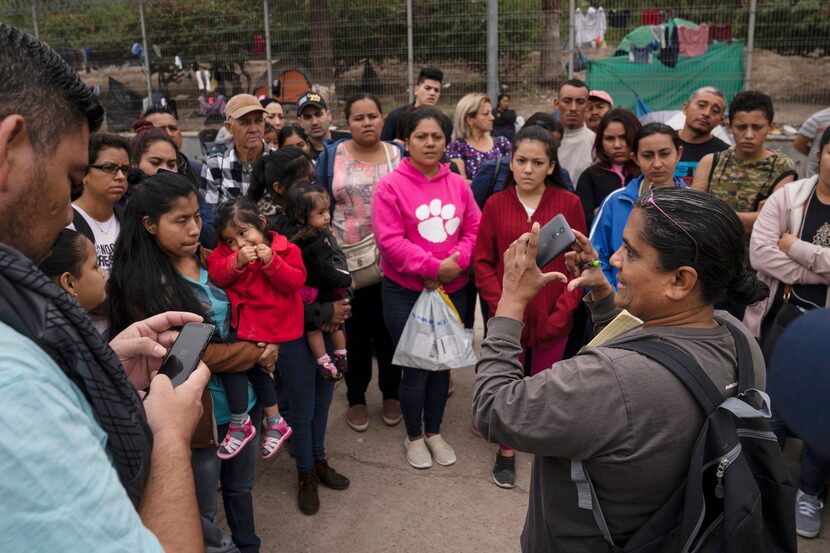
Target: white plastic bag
(434, 338)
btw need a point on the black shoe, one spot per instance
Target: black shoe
(341, 362)
(504, 471)
(330, 477)
(307, 498)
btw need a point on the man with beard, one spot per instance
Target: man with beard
(704, 112)
(315, 118)
(90, 466)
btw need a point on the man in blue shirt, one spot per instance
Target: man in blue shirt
(87, 465)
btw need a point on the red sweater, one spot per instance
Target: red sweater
(548, 316)
(265, 299)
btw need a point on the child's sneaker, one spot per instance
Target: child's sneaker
(327, 369)
(275, 436)
(341, 362)
(236, 438)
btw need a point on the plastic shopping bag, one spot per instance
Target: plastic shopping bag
(434, 338)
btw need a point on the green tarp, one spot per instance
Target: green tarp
(665, 88)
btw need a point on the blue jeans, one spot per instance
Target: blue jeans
(423, 394)
(237, 478)
(309, 396)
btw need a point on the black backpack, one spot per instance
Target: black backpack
(738, 494)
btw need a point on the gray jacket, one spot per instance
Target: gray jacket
(629, 419)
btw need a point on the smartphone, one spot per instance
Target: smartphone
(554, 238)
(187, 351)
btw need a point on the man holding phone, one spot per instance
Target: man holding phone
(89, 466)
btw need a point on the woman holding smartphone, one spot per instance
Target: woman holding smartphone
(535, 192)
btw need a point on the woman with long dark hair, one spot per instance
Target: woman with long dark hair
(535, 192)
(158, 266)
(614, 167)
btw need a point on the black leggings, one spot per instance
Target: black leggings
(236, 388)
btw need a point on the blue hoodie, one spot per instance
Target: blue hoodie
(607, 229)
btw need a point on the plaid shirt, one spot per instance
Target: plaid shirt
(223, 177)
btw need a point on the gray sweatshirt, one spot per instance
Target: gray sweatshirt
(628, 418)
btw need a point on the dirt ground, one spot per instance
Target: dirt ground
(795, 83)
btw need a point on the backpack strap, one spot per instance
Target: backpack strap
(689, 372)
(746, 372)
(495, 177)
(81, 225)
(715, 158)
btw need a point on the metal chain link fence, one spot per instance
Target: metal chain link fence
(199, 51)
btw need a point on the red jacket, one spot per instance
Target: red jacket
(548, 315)
(265, 299)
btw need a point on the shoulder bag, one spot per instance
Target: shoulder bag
(363, 257)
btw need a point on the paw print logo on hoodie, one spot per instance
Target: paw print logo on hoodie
(438, 221)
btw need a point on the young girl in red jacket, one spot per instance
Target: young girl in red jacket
(535, 192)
(262, 273)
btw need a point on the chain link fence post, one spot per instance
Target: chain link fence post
(750, 44)
(493, 49)
(146, 53)
(268, 60)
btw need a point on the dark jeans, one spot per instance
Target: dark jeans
(236, 388)
(363, 332)
(309, 396)
(423, 393)
(237, 478)
(815, 467)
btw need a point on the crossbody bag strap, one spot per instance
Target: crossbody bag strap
(494, 179)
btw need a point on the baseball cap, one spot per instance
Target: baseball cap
(242, 104)
(310, 99)
(601, 95)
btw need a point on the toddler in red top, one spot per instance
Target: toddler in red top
(262, 273)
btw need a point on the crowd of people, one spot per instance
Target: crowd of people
(296, 239)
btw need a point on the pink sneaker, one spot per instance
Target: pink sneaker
(275, 436)
(328, 371)
(232, 445)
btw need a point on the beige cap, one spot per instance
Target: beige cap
(242, 104)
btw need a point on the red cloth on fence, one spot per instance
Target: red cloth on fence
(651, 17)
(721, 33)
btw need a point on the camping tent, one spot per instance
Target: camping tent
(662, 87)
(294, 80)
(642, 35)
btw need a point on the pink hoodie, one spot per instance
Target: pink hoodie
(419, 221)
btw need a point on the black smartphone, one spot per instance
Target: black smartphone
(554, 238)
(187, 350)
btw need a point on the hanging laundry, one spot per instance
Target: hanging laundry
(721, 33)
(659, 32)
(693, 42)
(668, 55)
(651, 17)
(640, 55)
(178, 63)
(589, 26)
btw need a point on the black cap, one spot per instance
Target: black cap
(310, 99)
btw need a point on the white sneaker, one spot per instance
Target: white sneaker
(417, 453)
(441, 450)
(807, 515)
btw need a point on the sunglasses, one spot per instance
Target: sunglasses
(651, 201)
(111, 168)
